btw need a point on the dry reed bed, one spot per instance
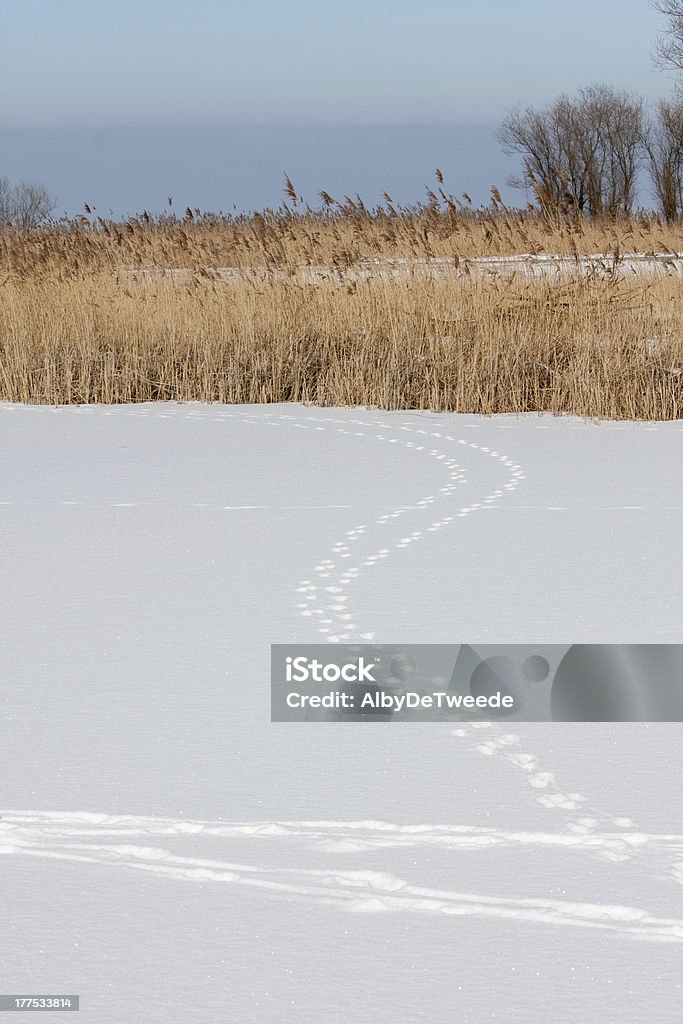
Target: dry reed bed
(600, 348)
(77, 326)
(340, 236)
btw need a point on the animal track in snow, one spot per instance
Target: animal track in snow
(326, 596)
(337, 626)
(123, 841)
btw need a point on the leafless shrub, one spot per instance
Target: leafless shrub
(669, 49)
(25, 205)
(664, 144)
(581, 154)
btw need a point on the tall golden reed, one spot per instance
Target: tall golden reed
(93, 311)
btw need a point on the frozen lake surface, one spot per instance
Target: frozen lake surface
(173, 856)
(641, 265)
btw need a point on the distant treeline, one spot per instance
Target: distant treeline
(584, 153)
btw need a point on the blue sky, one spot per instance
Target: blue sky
(182, 67)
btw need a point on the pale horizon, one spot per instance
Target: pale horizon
(212, 102)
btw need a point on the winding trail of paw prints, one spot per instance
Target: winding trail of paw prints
(325, 596)
(324, 593)
(335, 623)
(491, 740)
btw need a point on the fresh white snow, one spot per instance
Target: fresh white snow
(172, 855)
(440, 268)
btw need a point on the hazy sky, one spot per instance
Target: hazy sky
(198, 72)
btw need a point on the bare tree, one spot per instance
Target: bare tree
(613, 127)
(25, 204)
(669, 49)
(537, 136)
(5, 201)
(581, 153)
(664, 144)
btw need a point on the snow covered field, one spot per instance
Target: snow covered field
(172, 855)
(441, 268)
